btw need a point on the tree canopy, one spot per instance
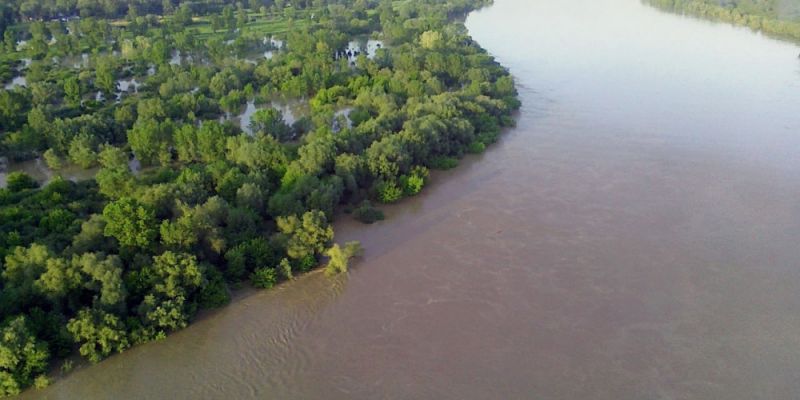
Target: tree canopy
(347, 103)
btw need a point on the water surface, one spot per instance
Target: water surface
(635, 237)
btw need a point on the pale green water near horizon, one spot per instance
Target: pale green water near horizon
(634, 237)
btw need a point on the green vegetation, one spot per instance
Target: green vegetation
(773, 17)
(184, 204)
(368, 214)
(339, 258)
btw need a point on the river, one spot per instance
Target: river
(634, 237)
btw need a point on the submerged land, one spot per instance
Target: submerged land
(158, 154)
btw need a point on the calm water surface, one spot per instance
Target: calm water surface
(635, 237)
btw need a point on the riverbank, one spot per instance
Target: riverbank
(779, 28)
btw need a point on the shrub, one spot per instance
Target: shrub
(264, 278)
(476, 147)
(18, 181)
(388, 192)
(67, 366)
(214, 293)
(368, 214)
(41, 382)
(442, 162)
(286, 269)
(307, 263)
(52, 160)
(340, 257)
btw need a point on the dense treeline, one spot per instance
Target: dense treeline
(101, 265)
(110, 9)
(760, 15)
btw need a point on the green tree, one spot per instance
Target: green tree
(339, 258)
(52, 159)
(148, 139)
(81, 151)
(91, 236)
(22, 357)
(38, 120)
(388, 191)
(22, 268)
(102, 275)
(241, 17)
(430, 39)
(264, 278)
(216, 22)
(114, 178)
(18, 181)
(211, 141)
(251, 196)
(130, 222)
(57, 280)
(176, 274)
(269, 121)
(307, 235)
(185, 139)
(175, 278)
(104, 75)
(99, 333)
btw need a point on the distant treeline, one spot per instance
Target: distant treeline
(759, 15)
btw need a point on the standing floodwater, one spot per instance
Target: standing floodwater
(637, 236)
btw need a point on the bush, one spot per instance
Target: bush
(214, 293)
(368, 214)
(476, 147)
(286, 269)
(488, 138)
(67, 366)
(388, 192)
(18, 181)
(307, 263)
(443, 163)
(264, 278)
(339, 258)
(41, 382)
(52, 160)
(414, 183)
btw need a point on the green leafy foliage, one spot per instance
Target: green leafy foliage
(22, 356)
(130, 222)
(444, 163)
(339, 258)
(306, 235)
(368, 214)
(19, 181)
(185, 203)
(388, 191)
(99, 333)
(759, 15)
(264, 278)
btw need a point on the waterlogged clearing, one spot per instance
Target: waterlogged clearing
(17, 81)
(290, 110)
(39, 171)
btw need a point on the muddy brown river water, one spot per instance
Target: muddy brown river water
(636, 236)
